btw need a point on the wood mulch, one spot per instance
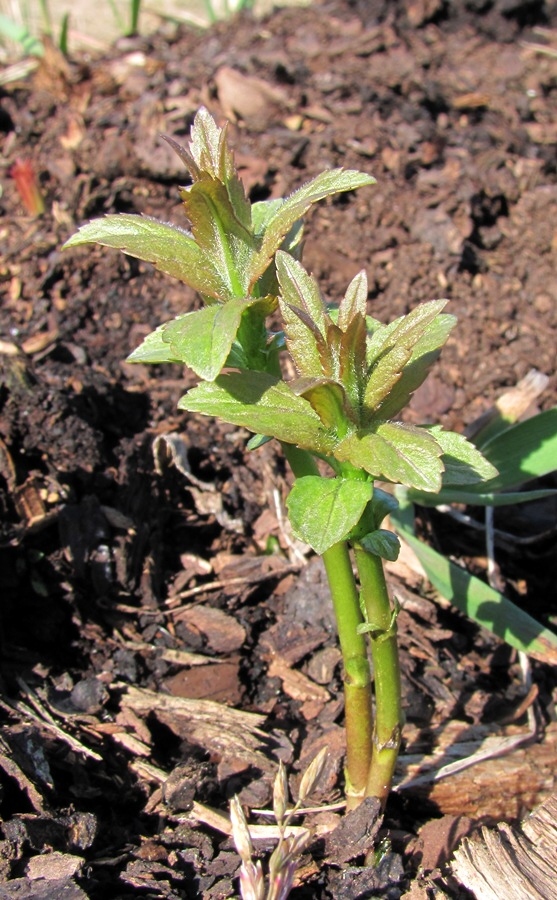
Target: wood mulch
(165, 642)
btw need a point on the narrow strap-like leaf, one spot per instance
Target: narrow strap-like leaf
(478, 600)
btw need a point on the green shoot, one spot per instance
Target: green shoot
(338, 421)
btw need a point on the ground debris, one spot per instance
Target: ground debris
(136, 591)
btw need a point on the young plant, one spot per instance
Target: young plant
(291, 844)
(337, 421)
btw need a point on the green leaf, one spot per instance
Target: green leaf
(425, 352)
(522, 452)
(300, 290)
(304, 315)
(406, 331)
(328, 400)
(262, 212)
(170, 249)
(354, 302)
(263, 404)
(209, 156)
(322, 511)
(351, 324)
(153, 349)
(399, 356)
(383, 377)
(296, 206)
(381, 543)
(220, 234)
(464, 464)
(202, 339)
(395, 452)
(383, 505)
(469, 498)
(479, 601)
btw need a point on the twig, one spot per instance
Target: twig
(43, 717)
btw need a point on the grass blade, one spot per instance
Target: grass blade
(478, 600)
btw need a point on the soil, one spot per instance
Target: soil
(145, 568)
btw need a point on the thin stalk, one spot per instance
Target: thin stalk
(353, 646)
(382, 630)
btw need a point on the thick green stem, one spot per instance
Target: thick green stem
(357, 678)
(353, 645)
(381, 621)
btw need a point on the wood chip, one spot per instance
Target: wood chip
(507, 863)
(221, 731)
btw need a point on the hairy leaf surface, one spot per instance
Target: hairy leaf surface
(153, 349)
(395, 452)
(297, 205)
(203, 339)
(322, 511)
(464, 464)
(264, 405)
(170, 249)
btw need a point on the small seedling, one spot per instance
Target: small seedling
(338, 421)
(282, 862)
(23, 173)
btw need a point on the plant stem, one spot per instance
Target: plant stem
(357, 677)
(353, 645)
(381, 620)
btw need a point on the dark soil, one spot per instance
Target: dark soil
(130, 586)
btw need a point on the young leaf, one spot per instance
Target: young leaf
(220, 234)
(425, 352)
(383, 505)
(406, 331)
(261, 213)
(323, 511)
(210, 156)
(381, 543)
(170, 249)
(328, 400)
(305, 320)
(300, 290)
(263, 404)
(383, 377)
(296, 206)
(153, 349)
(464, 464)
(395, 452)
(202, 339)
(399, 356)
(352, 359)
(478, 600)
(354, 302)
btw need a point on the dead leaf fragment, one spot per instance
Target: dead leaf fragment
(223, 633)
(294, 683)
(54, 866)
(247, 98)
